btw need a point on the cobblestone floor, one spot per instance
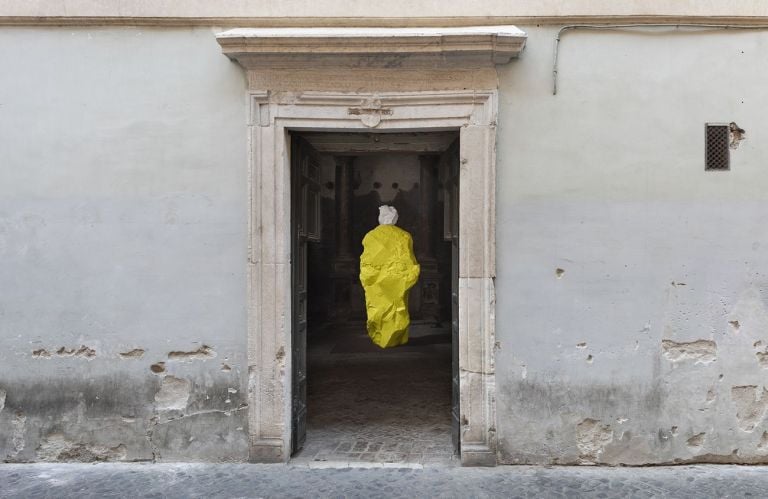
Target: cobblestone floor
(247, 481)
(371, 405)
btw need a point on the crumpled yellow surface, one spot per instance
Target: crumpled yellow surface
(388, 269)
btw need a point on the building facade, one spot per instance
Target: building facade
(611, 272)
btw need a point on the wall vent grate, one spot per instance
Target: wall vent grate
(717, 147)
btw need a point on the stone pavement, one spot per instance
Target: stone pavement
(133, 481)
(366, 404)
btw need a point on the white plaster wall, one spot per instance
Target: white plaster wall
(122, 226)
(283, 10)
(606, 181)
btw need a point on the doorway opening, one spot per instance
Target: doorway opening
(351, 400)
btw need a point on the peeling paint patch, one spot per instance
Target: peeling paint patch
(591, 438)
(710, 458)
(19, 424)
(173, 394)
(41, 353)
(762, 356)
(763, 444)
(136, 353)
(204, 352)
(665, 434)
(583, 344)
(711, 395)
(157, 368)
(750, 410)
(56, 447)
(736, 135)
(762, 359)
(225, 368)
(696, 440)
(700, 351)
(82, 351)
(559, 273)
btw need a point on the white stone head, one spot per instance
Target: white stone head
(387, 215)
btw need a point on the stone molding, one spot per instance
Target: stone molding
(379, 47)
(399, 22)
(274, 113)
(296, 22)
(375, 13)
(392, 98)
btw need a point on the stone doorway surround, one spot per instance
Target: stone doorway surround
(369, 79)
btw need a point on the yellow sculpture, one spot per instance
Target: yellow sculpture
(388, 269)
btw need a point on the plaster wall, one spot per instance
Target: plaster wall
(632, 291)
(123, 227)
(122, 246)
(372, 11)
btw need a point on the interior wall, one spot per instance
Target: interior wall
(391, 178)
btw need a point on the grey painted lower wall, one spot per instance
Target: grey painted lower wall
(631, 292)
(122, 240)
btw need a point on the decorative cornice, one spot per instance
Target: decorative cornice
(378, 47)
(381, 22)
(373, 108)
(393, 99)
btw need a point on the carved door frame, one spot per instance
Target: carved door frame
(272, 116)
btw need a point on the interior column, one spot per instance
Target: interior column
(428, 220)
(344, 268)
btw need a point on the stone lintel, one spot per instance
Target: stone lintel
(378, 47)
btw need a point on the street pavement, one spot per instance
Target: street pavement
(136, 480)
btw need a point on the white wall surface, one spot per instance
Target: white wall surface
(375, 9)
(122, 226)
(606, 181)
